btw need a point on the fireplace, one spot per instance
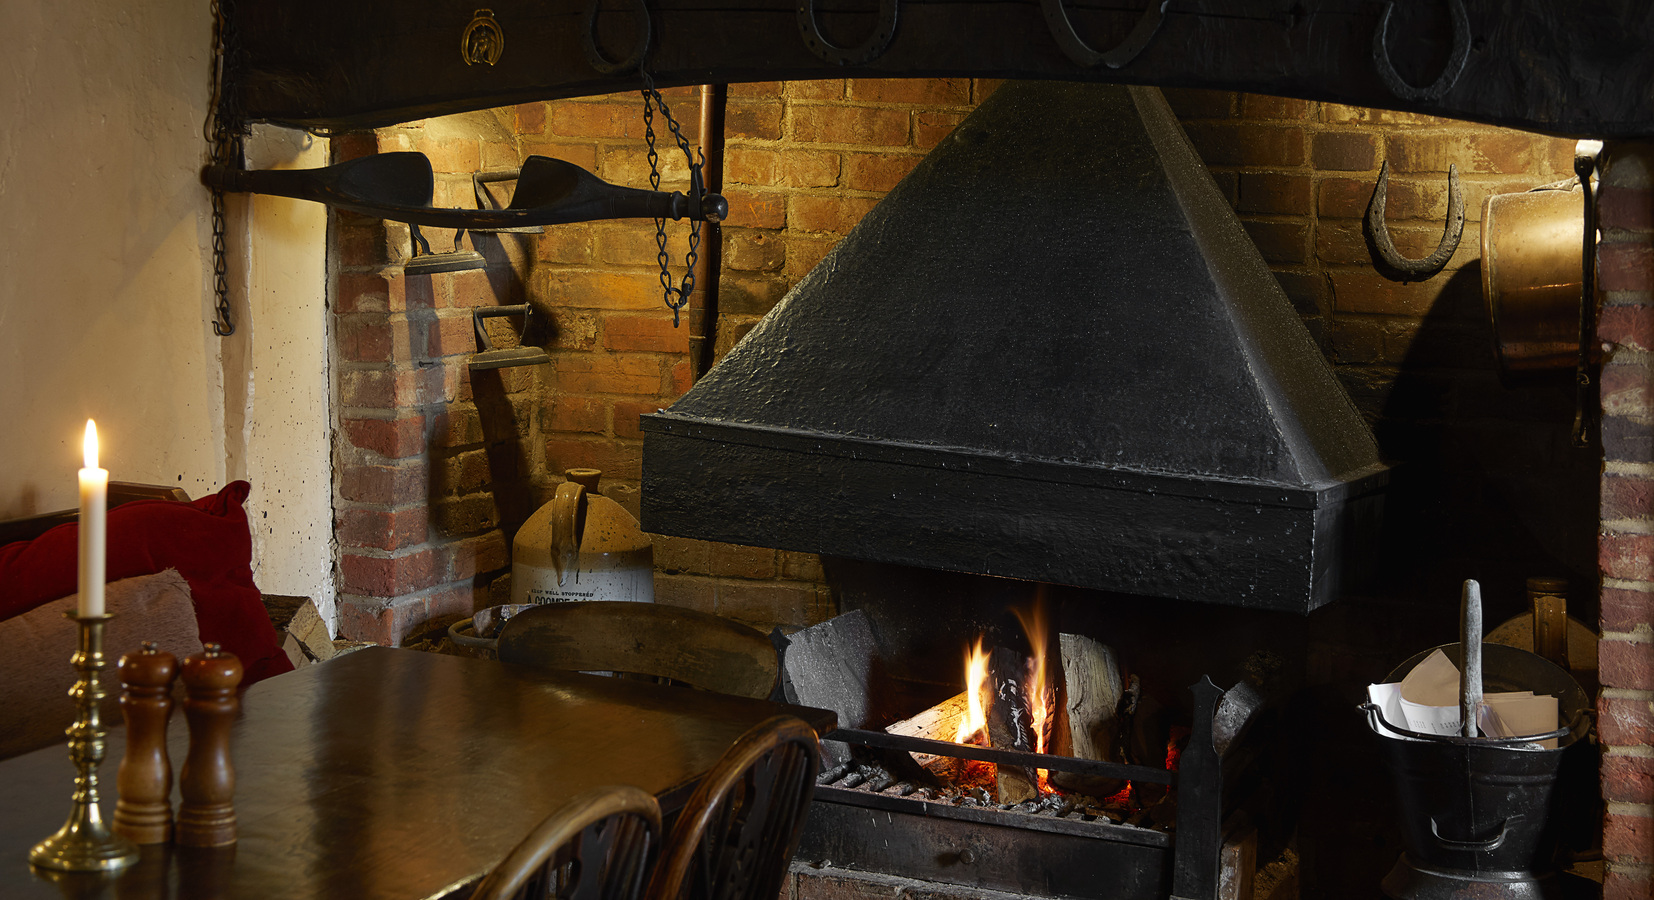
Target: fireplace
(881, 413)
(1487, 484)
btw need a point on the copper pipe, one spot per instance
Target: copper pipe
(703, 303)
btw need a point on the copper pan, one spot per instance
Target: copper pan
(1531, 278)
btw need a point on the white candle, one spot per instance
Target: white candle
(94, 499)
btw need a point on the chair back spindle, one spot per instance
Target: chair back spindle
(737, 833)
(599, 845)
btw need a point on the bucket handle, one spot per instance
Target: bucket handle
(1380, 725)
(1472, 846)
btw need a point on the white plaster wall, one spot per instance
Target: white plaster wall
(103, 236)
(279, 425)
(105, 281)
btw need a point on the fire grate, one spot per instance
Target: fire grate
(868, 819)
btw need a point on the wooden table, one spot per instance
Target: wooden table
(391, 774)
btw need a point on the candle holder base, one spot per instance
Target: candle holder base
(83, 846)
(85, 843)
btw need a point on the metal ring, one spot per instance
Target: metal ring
(1450, 74)
(1452, 230)
(588, 40)
(861, 54)
(1056, 18)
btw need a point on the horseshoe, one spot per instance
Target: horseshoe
(1450, 74)
(588, 40)
(1379, 234)
(861, 54)
(1056, 18)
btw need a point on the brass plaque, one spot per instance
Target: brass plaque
(483, 40)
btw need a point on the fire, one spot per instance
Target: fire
(1042, 693)
(973, 725)
(975, 720)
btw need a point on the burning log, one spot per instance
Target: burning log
(1010, 722)
(1091, 710)
(938, 723)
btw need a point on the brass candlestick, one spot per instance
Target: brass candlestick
(85, 843)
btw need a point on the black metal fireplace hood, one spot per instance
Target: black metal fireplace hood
(1051, 353)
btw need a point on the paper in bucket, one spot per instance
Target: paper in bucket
(1426, 700)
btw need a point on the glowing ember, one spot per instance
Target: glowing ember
(1042, 693)
(975, 720)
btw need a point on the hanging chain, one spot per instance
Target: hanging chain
(225, 131)
(676, 297)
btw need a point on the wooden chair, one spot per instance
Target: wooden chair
(597, 846)
(737, 833)
(683, 645)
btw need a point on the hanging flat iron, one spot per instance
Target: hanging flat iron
(504, 357)
(424, 262)
(399, 186)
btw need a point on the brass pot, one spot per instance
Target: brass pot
(1531, 278)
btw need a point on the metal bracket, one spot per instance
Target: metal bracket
(861, 54)
(1195, 855)
(588, 40)
(1056, 18)
(1450, 74)
(1379, 234)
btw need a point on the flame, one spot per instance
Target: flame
(1042, 693)
(89, 445)
(975, 720)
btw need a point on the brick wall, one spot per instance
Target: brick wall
(1626, 330)
(803, 163)
(438, 467)
(434, 462)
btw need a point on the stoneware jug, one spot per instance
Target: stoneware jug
(582, 546)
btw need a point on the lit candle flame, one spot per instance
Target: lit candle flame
(89, 447)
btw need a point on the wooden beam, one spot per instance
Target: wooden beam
(1571, 69)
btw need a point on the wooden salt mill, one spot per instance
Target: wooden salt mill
(143, 812)
(206, 783)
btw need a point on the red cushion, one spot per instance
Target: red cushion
(208, 541)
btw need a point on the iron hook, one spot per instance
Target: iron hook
(861, 54)
(588, 40)
(1385, 248)
(1450, 74)
(1056, 18)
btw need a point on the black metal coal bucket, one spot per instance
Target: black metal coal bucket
(1477, 814)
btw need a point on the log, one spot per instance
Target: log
(1091, 707)
(1010, 723)
(938, 723)
(826, 666)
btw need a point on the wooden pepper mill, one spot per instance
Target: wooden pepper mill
(143, 814)
(206, 783)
